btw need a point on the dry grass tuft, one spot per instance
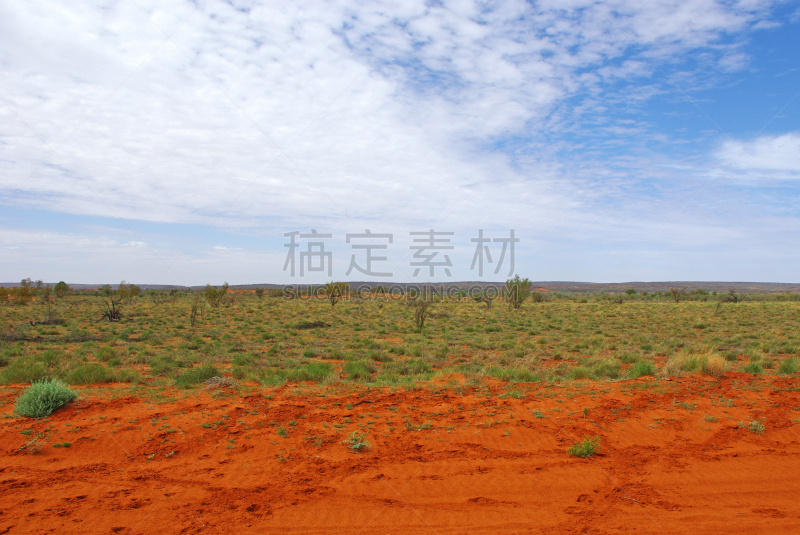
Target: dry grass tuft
(220, 382)
(714, 366)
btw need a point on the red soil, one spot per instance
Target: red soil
(487, 463)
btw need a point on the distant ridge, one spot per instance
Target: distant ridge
(552, 286)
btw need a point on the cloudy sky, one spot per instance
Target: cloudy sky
(175, 142)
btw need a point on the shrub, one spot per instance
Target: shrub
(516, 291)
(585, 448)
(42, 398)
(89, 374)
(641, 368)
(196, 375)
(789, 366)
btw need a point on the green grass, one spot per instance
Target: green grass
(357, 441)
(753, 368)
(754, 427)
(89, 374)
(194, 376)
(42, 398)
(585, 448)
(641, 368)
(789, 366)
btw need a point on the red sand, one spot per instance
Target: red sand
(485, 465)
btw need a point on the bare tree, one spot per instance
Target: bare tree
(676, 294)
(421, 312)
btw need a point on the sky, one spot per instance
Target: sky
(184, 142)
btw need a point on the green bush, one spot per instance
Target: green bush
(196, 375)
(585, 448)
(42, 398)
(89, 374)
(643, 367)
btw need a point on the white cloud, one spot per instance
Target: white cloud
(771, 156)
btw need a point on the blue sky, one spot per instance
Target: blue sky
(176, 142)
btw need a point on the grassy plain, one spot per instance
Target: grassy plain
(374, 342)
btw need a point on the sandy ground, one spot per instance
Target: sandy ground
(673, 459)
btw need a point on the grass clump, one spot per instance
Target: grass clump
(641, 368)
(42, 398)
(23, 370)
(197, 375)
(789, 366)
(356, 442)
(753, 368)
(89, 374)
(313, 371)
(754, 427)
(585, 448)
(714, 366)
(359, 370)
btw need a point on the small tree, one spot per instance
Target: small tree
(197, 308)
(24, 293)
(61, 289)
(260, 292)
(335, 291)
(517, 290)
(214, 295)
(676, 294)
(133, 291)
(484, 299)
(48, 299)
